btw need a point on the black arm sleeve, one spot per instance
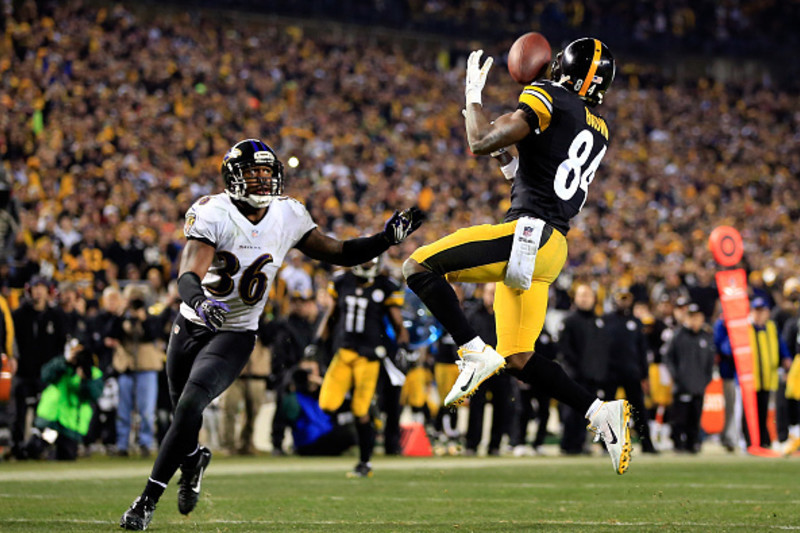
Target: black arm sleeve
(361, 250)
(190, 289)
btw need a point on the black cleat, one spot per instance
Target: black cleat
(138, 517)
(361, 470)
(189, 484)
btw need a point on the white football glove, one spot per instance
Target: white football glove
(476, 76)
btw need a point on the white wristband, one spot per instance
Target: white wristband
(474, 96)
(510, 170)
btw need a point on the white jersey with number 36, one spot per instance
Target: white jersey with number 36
(248, 255)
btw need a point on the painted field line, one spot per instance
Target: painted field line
(706, 526)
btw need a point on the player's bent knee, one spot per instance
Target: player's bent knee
(411, 267)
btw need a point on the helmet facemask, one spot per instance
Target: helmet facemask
(237, 186)
(369, 269)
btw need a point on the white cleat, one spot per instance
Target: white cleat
(474, 369)
(611, 424)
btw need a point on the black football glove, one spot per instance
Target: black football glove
(402, 224)
(311, 352)
(406, 358)
(212, 313)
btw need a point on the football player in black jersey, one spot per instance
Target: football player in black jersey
(362, 298)
(236, 241)
(560, 140)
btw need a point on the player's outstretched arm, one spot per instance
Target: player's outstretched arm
(354, 252)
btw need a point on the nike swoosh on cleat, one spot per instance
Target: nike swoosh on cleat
(200, 482)
(466, 386)
(613, 435)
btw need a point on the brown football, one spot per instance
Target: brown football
(528, 57)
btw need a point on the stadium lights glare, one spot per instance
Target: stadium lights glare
(293, 162)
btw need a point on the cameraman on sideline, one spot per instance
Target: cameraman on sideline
(74, 383)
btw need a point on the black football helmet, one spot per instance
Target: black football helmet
(586, 67)
(248, 154)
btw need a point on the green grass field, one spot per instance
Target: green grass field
(667, 493)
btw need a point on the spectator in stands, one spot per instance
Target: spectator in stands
(690, 359)
(9, 215)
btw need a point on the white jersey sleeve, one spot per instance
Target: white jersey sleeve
(301, 220)
(204, 221)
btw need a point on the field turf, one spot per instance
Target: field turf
(703, 493)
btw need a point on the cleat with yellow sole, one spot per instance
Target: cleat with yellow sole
(611, 424)
(474, 369)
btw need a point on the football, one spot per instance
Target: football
(528, 57)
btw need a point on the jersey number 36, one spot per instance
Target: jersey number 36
(252, 284)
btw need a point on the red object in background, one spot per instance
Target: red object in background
(726, 245)
(414, 441)
(5, 379)
(528, 57)
(713, 418)
(732, 287)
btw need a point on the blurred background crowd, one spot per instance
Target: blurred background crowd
(116, 116)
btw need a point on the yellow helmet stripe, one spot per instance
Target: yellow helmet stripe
(592, 69)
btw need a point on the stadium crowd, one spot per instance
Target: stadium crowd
(115, 121)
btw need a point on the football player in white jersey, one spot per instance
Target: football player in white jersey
(236, 241)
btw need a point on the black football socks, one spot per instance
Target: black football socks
(548, 376)
(366, 440)
(440, 298)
